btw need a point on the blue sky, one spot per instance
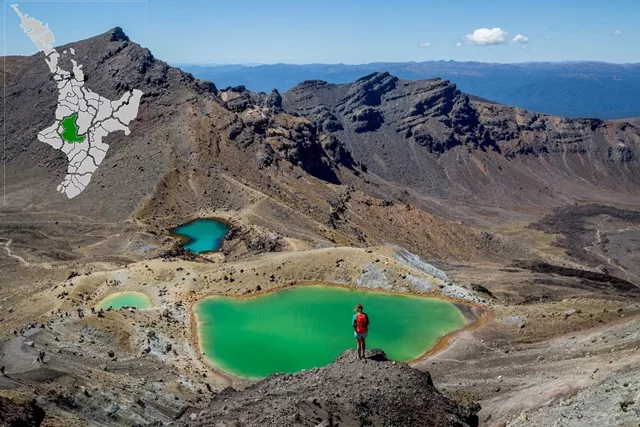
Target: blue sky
(348, 31)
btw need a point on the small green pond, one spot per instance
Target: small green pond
(203, 235)
(125, 299)
(308, 326)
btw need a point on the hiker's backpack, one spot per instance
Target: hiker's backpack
(362, 323)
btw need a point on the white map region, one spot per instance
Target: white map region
(97, 116)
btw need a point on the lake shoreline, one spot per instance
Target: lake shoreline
(474, 316)
(185, 240)
(115, 295)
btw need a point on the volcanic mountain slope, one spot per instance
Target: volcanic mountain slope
(355, 184)
(429, 136)
(349, 392)
(421, 143)
(112, 64)
(192, 149)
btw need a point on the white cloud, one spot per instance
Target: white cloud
(486, 36)
(425, 44)
(520, 39)
(458, 44)
(617, 33)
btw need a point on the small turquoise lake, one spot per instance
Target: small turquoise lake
(202, 235)
(125, 299)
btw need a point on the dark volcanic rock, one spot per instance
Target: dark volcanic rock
(308, 154)
(591, 276)
(432, 112)
(481, 289)
(622, 154)
(337, 151)
(367, 119)
(27, 414)
(441, 117)
(367, 91)
(177, 251)
(572, 224)
(348, 392)
(275, 101)
(118, 35)
(251, 240)
(275, 135)
(427, 135)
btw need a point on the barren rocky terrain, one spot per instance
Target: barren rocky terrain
(349, 392)
(405, 186)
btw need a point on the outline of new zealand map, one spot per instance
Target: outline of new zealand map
(83, 118)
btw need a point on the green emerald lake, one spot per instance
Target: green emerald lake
(309, 326)
(203, 235)
(125, 299)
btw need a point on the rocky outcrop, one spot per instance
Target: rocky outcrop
(428, 135)
(299, 146)
(26, 414)
(367, 91)
(349, 392)
(366, 119)
(441, 117)
(274, 101)
(337, 151)
(433, 113)
(278, 136)
(436, 115)
(622, 153)
(250, 240)
(358, 106)
(236, 98)
(590, 277)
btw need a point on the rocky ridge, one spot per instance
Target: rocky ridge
(349, 392)
(441, 142)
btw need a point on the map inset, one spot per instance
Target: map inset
(82, 118)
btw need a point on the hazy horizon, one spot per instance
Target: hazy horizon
(577, 61)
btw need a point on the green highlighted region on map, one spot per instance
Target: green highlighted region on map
(70, 130)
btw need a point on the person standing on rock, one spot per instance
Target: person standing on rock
(360, 323)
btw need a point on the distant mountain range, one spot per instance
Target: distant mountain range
(571, 89)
